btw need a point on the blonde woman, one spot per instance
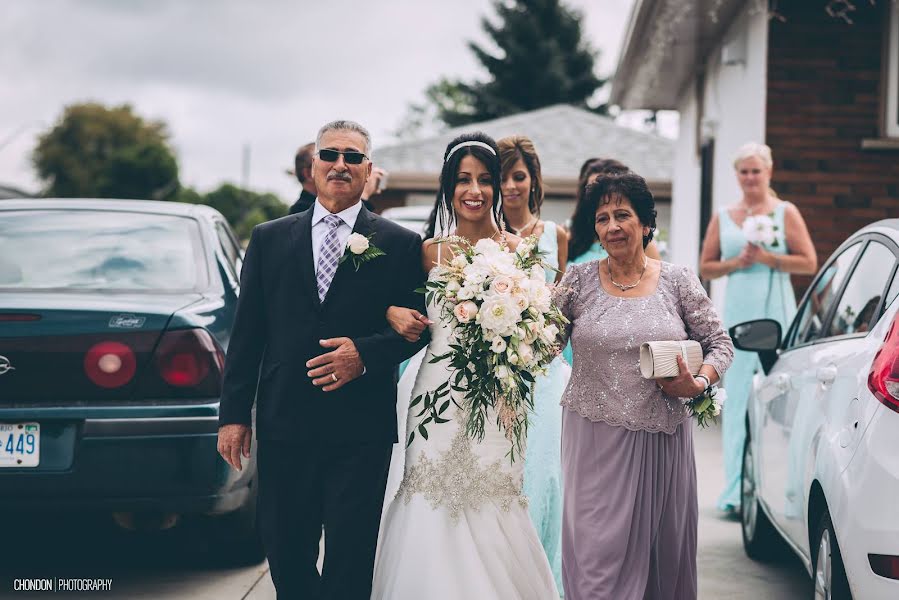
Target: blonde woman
(758, 286)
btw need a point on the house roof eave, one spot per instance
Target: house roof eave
(665, 46)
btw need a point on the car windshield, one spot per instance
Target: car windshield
(99, 250)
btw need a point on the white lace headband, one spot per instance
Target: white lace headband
(471, 143)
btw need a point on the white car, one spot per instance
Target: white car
(411, 217)
(821, 459)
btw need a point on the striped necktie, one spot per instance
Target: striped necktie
(328, 256)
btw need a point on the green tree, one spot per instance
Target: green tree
(100, 152)
(542, 60)
(243, 209)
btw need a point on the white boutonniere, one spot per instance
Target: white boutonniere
(360, 250)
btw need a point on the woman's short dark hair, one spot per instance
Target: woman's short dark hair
(629, 186)
(582, 230)
(443, 214)
(519, 147)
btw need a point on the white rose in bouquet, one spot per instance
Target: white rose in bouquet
(487, 246)
(521, 302)
(526, 354)
(465, 311)
(498, 345)
(501, 285)
(459, 262)
(466, 293)
(452, 288)
(499, 314)
(550, 333)
(542, 299)
(476, 274)
(538, 273)
(760, 229)
(357, 243)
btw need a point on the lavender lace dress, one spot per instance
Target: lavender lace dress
(629, 521)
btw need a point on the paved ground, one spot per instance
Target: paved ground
(178, 564)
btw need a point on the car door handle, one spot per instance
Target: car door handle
(827, 375)
(782, 383)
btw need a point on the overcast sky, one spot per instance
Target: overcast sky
(229, 73)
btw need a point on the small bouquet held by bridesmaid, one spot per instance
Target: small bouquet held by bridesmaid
(504, 334)
(761, 230)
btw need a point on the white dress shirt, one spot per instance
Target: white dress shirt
(320, 229)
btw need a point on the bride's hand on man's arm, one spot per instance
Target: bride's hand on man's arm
(407, 322)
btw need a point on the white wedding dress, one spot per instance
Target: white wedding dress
(455, 523)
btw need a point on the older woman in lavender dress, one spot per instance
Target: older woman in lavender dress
(630, 511)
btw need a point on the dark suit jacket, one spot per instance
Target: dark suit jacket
(280, 321)
(303, 203)
(306, 200)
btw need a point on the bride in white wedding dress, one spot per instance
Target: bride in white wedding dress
(457, 527)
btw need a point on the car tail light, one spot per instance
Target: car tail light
(885, 565)
(189, 358)
(110, 364)
(19, 317)
(883, 380)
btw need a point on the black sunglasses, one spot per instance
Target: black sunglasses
(350, 158)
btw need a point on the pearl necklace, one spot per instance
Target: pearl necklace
(624, 286)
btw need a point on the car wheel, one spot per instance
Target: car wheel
(760, 540)
(237, 538)
(830, 575)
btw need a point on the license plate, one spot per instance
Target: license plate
(20, 444)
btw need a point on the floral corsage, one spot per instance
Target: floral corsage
(707, 406)
(360, 250)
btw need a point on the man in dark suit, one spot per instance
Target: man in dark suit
(312, 344)
(302, 168)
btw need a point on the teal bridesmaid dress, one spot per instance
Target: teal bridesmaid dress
(757, 292)
(595, 252)
(542, 458)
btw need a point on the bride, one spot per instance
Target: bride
(458, 525)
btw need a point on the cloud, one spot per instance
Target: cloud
(225, 73)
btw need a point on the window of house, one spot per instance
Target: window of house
(892, 74)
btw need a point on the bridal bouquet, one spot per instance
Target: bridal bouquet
(761, 230)
(504, 333)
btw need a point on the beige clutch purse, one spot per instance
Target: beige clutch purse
(659, 359)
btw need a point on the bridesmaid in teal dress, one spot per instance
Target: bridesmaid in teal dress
(522, 191)
(584, 246)
(758, 287)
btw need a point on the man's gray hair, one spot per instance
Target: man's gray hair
(345, 126)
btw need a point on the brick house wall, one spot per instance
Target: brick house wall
(824, 97)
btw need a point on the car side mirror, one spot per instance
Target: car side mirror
(762, 336)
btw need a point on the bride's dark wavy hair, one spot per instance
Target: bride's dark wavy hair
(443, 214)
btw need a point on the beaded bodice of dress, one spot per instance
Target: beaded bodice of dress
(448, 469)
(606, 332)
